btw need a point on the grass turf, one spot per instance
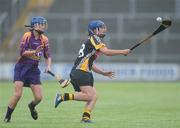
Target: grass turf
(120, 105)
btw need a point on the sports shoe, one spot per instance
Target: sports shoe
(7, 120)
(64, 83)
(85, 120)
(33, 111)
(58, 99)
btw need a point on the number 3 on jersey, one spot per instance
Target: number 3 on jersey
(81, 51)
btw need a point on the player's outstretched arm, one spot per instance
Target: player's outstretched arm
(109, 74)
(111, 52)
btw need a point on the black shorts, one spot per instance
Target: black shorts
(81, 78)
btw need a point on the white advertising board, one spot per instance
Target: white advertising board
(123, 71)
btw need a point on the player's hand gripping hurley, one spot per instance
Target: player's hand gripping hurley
(164, 24)
(63, 83)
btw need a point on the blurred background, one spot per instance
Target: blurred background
(128, 21)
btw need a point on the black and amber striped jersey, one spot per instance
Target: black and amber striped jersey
(88, 53)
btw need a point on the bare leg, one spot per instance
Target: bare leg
(17, 94)
(91, 97)
(90, 104)
(88, 93)
(37, 93)
(14, 100)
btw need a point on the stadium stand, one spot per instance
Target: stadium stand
(10, 11)
(114, 6)
(128, 22)
(155, 6)
(66, 6)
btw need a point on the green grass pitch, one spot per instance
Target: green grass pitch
(120, 105)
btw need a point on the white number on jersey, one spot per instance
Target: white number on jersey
(81, 51)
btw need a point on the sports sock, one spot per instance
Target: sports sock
(86, 114)
(32, 104)
(9, 112)
(67, 96)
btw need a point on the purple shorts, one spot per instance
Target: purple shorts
(27, 73)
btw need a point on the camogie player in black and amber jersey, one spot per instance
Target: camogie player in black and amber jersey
(81, 73)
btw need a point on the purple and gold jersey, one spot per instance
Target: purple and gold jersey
(28, 42)
(88, 53)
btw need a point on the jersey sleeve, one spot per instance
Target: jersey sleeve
(96, 42)
(24, 42)
(46, 53)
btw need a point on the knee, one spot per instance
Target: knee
(93, 97)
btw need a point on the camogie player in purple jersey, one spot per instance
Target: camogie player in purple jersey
(33, 46)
